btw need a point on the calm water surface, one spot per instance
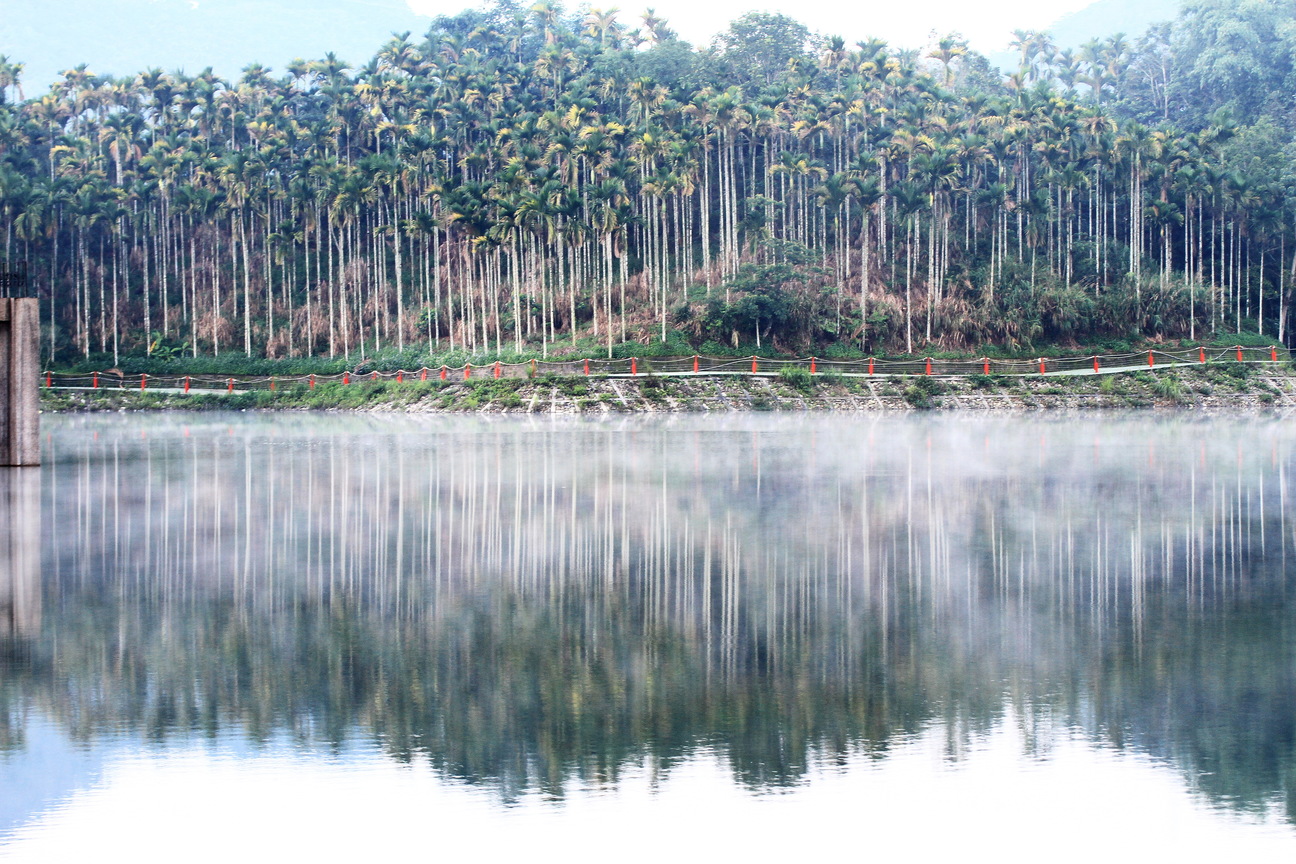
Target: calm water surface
(764, 636)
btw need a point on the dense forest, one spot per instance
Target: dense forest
(527, 180)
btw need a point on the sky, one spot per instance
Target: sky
(987, 25)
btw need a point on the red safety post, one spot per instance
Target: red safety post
(467, 371)
(634, 365)
(1096, 369)
(813, 366)
(48, 381)
(533, 367)
(927, 371)
(272, 384)
(695, 364)
(985, 365)
(346, 377)
(497, 369)
(423, 374)
(870, 365)
(186, 383)
(400, 376)
(443, 373)
(94, 381)
(230, 388)
(1151, 360)
(1042, 361)
(753, 364)
(587, 366)
(1239, 353)
(312, 382)
(374, 377)
(143, 382)
(1201, 355)
(1273, 353)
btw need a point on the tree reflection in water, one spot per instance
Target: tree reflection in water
(523, 603)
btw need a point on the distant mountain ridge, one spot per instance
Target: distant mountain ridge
(124, 37)
(1109, 17)
(1098, 21)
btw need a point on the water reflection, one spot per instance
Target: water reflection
(20, 552)
(531, 604)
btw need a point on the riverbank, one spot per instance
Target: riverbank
(1215, 388)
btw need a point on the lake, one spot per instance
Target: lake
(564, 639)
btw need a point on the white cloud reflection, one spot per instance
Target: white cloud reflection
(1080, 803)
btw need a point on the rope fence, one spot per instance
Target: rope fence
(1093, 364)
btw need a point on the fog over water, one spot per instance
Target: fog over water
(535, 614)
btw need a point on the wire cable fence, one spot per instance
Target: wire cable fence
(1092, 364)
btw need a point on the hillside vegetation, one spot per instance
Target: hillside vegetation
(527, 181)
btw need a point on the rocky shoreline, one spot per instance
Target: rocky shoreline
(1218, 388)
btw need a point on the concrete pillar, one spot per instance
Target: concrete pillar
(20, 552)
(19, 382)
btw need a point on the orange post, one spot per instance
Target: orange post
(1042, 362)
(812, 366)
(985, 365)
(467, 371)
(1273, 353)
(48, 381)
(94, 381)
(423, 374)
(533, 367)
(443, 373)
(346, 377)
(230, 388)
(927, 371)
(400, 376)
(587, 366)
(1201, 355)
(1239, 353)
(374, 377)
(1096, 363)
(753, 365)
(186, 383)
(272, 383)
(312, 382)
(695, 364)
(143, 382)
(870, 365)
(1151, 360)
(497, 369)
(634, 365)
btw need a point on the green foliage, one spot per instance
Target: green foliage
(1233, 369)
(797, 379)
(771, 302)
(560, 199)
(759, 46)
(566, 384)
(918, 397)
(1234, 57)
(164, 349)
(1169, 387)
(920, 392)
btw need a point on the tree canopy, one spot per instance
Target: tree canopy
(533, 180)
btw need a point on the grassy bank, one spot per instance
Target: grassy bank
(1218, 387)
(419, 357)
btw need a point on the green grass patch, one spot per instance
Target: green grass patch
(798, 379)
